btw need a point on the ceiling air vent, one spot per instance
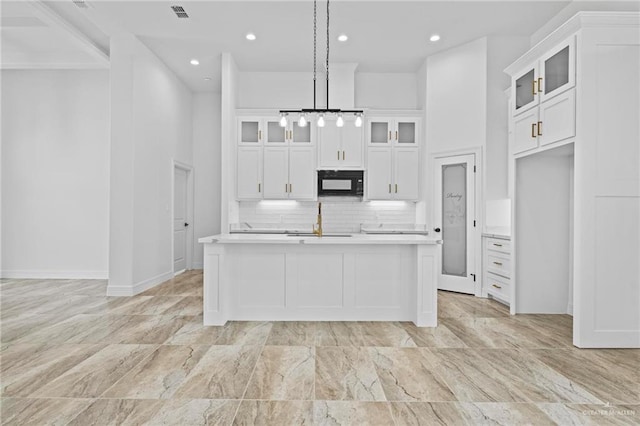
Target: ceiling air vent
(81, 4)
(179, 11)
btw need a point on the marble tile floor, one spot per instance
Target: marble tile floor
(71, 355)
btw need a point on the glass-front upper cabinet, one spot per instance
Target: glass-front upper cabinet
(393, 131)
(557, 70)
(302, 135)
(549, 76)
(276, 134)
(250, 131)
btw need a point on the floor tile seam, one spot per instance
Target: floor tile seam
(253, 371)
(132, 367)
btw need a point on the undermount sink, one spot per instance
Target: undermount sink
(323, 235)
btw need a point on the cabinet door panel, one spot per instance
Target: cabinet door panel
(525, 92)
(302, 173)
(329, 145)
(406, 174)
(351, 145)
(557, 70)
(249, 173)
(275, 133)
(379, 185)
(525, 131)
(558, 118)
(249, 131)
(276, 175)
(406, 133)
(379, 132)
(302, 135)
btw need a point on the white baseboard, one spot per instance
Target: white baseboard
(197, 265)
(138, 287)
(570, 309)
(55, 275)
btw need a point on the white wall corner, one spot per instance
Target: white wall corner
(132, 290)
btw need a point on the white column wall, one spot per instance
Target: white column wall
(55, 173)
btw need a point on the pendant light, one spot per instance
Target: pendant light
(315, 110)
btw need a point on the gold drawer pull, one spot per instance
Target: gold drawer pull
(540, 84)
(533, 87)
(497, 245)
(396, 135)
(539, 128)
(389, 134)
(259, 187)
(496, 285)
(259, 135)
(396, 188)
(343, 156)
(533, 130)
(338, 155)
(498, 263)
(389, 188)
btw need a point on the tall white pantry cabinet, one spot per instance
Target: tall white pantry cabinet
(575, 177)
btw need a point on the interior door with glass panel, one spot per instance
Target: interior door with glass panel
(454, 217)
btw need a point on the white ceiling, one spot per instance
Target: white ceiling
(384, 36)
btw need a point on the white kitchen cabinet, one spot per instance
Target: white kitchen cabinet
(276, 173)
(267, 131)
(496, 254)
(302, 173)
(379, 176)
(249, 173)
(289, 173)
(393, 174)
(340, 147)
(553, 121)
(393, 131)
(250, 131)
(301, 136)
(276, 134)
(550, 75)
(406, 171)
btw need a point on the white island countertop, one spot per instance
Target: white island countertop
(329, 238)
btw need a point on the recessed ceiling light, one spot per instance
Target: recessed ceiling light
(251, 36)
(207, 79)
(343, 37)
(435, 37)
(195, 62)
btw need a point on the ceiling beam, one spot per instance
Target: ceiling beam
(53, 19)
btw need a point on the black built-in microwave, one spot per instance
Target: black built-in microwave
(340, 183)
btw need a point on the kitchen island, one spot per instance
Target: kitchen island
(348, 277)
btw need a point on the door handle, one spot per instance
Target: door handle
(186, 224)
(436, 229)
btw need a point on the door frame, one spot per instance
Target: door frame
(175, 164)
(480, 290)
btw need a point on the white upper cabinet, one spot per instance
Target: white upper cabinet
(302, 173)
(289, 173)
(393, 131)
(276, 134)
(301, 136)
(340, 147)
(250, 131)
(249, 173)
(547, 77)
(543, 107)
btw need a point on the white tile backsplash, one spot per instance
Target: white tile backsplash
(336, 216)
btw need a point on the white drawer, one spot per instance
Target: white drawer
(498, 263)
(498, 286)
(496, 244)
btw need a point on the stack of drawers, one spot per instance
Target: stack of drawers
(497, 267)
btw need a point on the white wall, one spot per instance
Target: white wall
(501, 52)
(151, 127)
(55, 174)
(386, 90)
(207, 168)
(457, 97)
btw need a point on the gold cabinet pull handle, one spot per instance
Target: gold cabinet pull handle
(533, 87)
(259, 187)
(396, 188)
(286, 187)
(389, 134)
(497, 245)
(540, 85)
(539, 128)
(496, 285)
(338, 155)
(259, 135)
(343, 156)
(389, 188)
(498, 263)
(396, 135)
(290, 188)
(533, 130)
